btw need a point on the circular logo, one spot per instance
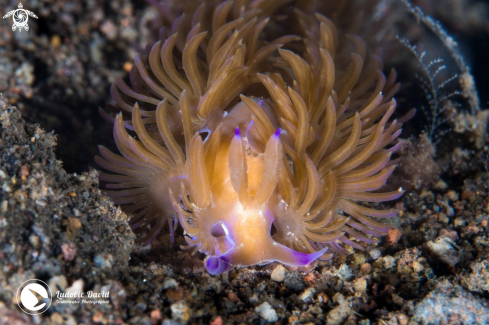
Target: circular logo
(34, 297)
(20, 17)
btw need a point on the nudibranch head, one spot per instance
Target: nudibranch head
(271, 172)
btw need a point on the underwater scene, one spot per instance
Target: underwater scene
(244, 162)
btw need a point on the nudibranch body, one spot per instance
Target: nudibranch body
(260, 153)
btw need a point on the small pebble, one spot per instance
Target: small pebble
(322, 298)
(34, 240)
(56, 41)
(217, 321)
(375, 253)
(452, 195)
(23, 172)
(74, 227)
(127, 66)
(307, 295)
(443, 218)
(267, 312)
(109, 29)
(180, 312)
(170, 283)
(459, 222)
(155, 316)
(402, 319)
(278, 274)
(365, 268)
(4, 206)
(417, 267)
(234, 298)
(57, 319)
(360, 285)
(452, 234)
(69, 251)
(443, 249)
(388, 262)
(393, 236)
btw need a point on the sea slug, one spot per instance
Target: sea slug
(259, 152)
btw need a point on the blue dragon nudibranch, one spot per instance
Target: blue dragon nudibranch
(260, 153)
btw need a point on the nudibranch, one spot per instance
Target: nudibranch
(261, 149)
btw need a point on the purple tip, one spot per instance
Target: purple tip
(303, 259)
(277, 133)
(217, 265)
(237, 131)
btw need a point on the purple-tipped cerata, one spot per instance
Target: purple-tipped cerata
(229, 191)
